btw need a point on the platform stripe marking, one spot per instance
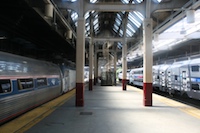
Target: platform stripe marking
(195, 112)
(183, 107)
(29, 119)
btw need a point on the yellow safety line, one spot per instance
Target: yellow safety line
(29, 119)
(195, 112)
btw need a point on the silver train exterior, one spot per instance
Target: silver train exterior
(182, 78)
(26, 83)
(136, 77)
(69, 77)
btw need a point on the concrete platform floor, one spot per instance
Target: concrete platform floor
(108, 109)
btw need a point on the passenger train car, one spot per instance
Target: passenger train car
(26, 83)
(136, 76)
(182, 78)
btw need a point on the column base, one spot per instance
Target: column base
(95, 81)
(147, 94)
(124, 82)
(79, 94)
(90, 85)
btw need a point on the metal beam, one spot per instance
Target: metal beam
(108, 6)
(168, 6)
(114, 7)
(118, 6)
(175, 17)
(111, 39)
(110, 50)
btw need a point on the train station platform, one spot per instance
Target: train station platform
(108, 109)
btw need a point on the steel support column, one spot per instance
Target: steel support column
(91, 50)
(148, 61)
(124, 65)
(80, 61)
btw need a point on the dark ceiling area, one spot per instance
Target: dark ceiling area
(26, 33)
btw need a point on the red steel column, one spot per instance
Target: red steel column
(124, 65)
(80, 61)
(148, 61)
(91, 51)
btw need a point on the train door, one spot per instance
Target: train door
(184, 81)
(156, 78)
(169, 79)
(66, 80)
(195, 81)
(162, 80)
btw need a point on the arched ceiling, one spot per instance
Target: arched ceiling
(33, 34)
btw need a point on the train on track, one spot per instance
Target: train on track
(182, 78)
(26, 83)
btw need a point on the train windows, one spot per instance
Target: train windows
(175, 77)
(5, 86)
(195, 68)
(41, 82)
(195, 86)
(184, 74)
(25, 83)
(162, 73)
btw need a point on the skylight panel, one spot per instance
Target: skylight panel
(125, 1)
(87, 33)
(95, 21)
(139, 15)
(96, 26)
(129, 33)
(117, 21)
(87, 15)
(86, 24)
(69, 0)
(119, 45)
(130, 30)
(134, 20)
(130, 27)
(74, 16)
(119, 16)
(116, 27)
(133, 2)
(96, 16)
(88, 28)
(120, 32)
(159, 1)
(139, 1)
(93, 1)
